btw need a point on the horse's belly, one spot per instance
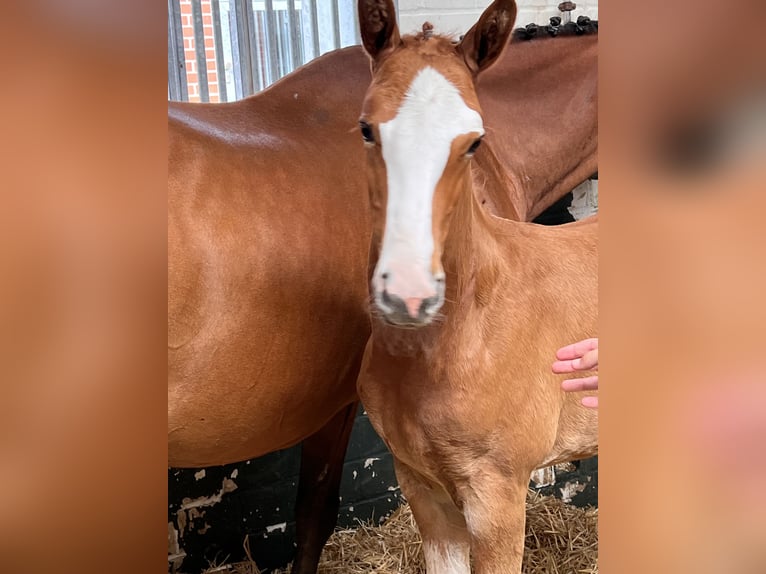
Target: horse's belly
(226, 405)
(261, 351)
(577, 433)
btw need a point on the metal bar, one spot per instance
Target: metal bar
(256, 49)
(272, 47)
(315, 27)
(177, 87)
(335, 24)
(173, 83)
(243, 11)
(219, 64)
(237, 61)
(199, 48)
(296, 46)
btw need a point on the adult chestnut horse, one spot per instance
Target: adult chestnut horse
(456, 377)
(268, 234)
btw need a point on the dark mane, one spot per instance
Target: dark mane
(583, 26)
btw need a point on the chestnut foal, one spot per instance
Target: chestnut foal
(470, 308)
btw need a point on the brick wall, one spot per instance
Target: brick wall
(456, 16)
(192, 74)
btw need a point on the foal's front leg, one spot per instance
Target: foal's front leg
(495, 514)
(446, 545)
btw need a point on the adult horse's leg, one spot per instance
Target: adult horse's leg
(317, 504)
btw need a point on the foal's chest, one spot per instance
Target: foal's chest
(424, 412)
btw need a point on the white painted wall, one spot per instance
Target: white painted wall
(456, 16)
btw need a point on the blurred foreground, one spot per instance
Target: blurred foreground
(82, 288)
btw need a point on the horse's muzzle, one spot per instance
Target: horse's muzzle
(410, 312)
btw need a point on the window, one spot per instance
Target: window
(222, 50)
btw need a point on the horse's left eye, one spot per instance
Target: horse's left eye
(367, 134)
(474, 146)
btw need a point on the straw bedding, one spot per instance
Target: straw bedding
(560, 539)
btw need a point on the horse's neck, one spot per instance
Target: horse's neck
(495, 188)
(344, 76)
(474, 255)
(541, 105)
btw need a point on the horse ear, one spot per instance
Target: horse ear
(377, 26)
(485, 41)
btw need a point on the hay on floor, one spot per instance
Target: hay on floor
(560, 539)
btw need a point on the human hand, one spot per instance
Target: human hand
(580, 356)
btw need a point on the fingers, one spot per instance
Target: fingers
(582, 356)
(560, 367)
(576, 350)
(587, 362)
(583, 384)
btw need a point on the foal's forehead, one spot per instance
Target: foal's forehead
(393, 80)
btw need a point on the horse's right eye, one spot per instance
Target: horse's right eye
(474, 146)
(367, 134)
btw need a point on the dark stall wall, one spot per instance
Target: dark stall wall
(575, 482)
(212, 510)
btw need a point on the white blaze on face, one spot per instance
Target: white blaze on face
(416, 146)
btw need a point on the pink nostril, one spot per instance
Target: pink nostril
(413, 306)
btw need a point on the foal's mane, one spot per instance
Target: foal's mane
(427, 37)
